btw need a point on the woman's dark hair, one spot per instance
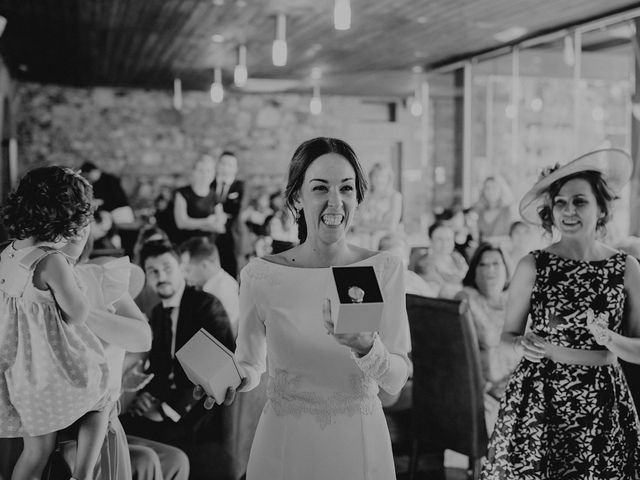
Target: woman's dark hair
(304, 156)
(470, 278)
(50, 204)
(603, 193)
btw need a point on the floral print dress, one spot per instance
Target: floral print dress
(560, 421)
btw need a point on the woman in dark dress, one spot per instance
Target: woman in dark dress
(567, 412)
(196, 209)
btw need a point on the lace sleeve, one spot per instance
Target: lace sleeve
(388, 360)
(251, 345)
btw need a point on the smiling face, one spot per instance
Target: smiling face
(328, 198)
(575, 208)
(491, 272)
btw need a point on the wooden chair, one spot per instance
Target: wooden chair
(448, 406)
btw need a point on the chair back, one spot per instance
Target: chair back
(448, 406)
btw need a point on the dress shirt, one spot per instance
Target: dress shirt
(174, 303)
(223, 189)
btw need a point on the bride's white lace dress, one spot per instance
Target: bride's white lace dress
(323, 419)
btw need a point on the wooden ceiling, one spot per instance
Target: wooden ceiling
(148, 43)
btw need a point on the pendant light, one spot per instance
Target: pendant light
(279, 48)
(415, 104)
(240, 74)
(177, 94)
(315, 105)
(342, 14)
(217, 91)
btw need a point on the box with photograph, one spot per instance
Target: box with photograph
(210, 364)
(356, 299)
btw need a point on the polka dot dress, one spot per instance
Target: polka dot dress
(51, 373)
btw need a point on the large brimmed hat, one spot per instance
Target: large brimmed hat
(614, 165)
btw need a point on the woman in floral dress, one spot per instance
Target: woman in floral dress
(567, 412)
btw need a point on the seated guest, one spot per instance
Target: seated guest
(165, 410)
(257, 212)
(485, 289)
(108, 193)
(254, 222)
(521, 241)
(380, 212)
(103, 233)
(494, 210)
(413, 283)
(443, 268)
(282, 226)
(463, 236)
(147, 299)
(201, 267)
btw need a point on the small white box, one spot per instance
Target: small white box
(347, 314)
(210, 364)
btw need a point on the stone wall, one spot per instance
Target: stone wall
(139, 136)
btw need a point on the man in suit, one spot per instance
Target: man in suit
(230, 193)
(165, 410)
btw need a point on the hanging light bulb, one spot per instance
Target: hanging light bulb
(316, 73)
(217, 92)
(415, 105)
(342, 15)
(279, 48)
(315, 105)
(240, 74)
(177, 94)
(569, 52)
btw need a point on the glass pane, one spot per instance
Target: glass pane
(604, 109)
(492, 120)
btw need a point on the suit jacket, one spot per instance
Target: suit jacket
(197, 310)
(233, 203)
(229, 243)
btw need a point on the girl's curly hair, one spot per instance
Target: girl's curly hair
(50, 204)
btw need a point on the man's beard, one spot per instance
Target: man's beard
(162, 293)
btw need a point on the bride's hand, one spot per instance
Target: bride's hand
(360, 343)
(198, 393)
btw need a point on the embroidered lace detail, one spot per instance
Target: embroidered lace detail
(260, 270)
(286, 398)
(375, 364)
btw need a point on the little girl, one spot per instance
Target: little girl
(52, 367)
